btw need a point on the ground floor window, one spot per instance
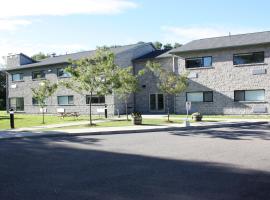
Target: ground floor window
(156, 102)
(249, 95)
(95, 99)
(65, 100)
(16, 104)
(199, 96)
(35, 102)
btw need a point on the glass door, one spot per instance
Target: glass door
(156, 102)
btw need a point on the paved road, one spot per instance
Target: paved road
(207, 164)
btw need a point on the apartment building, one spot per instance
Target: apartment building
(227, 75)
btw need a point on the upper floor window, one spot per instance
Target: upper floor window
(17, 77)
(95, 99)
(199, 62)
(65, 100)
(38, 75)
(248, 58)
(249, 95)
(62, 73)
(200, 96)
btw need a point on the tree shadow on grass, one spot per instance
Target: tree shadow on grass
(62, 169)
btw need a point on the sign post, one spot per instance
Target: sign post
(188, 108)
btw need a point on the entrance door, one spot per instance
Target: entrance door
(156, 102)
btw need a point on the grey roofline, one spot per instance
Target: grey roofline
(183, 50)
(40, 64)
(220, 48)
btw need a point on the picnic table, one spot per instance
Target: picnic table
(68, 114)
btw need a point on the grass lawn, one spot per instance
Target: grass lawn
(226, 116)
(26, 120)
(118, 123)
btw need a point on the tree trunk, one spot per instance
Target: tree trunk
(168, 109)
(90, 109)
(43, 120)
(126, 108)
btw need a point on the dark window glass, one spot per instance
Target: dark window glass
(65, 100)
(17, 103)
(35, 102)
(248, 58)
(208, 96)
(200, 96)
(95, 99)
(239, 95)
(152, 101)
(17, 77)
(199, 62)
(160, 102)
(38, 75)
(62, 73)
(249, 95)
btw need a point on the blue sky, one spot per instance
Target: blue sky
(61, 26)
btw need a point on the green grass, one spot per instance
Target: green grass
(122, 123)
(226, 116)
(26, 120)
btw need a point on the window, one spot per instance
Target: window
(17, 77)
(248, 58)
(156, 102)
(95, 99)
(200, 96)
(199, 62)
(17, 103)
(65, 100)
(62, 73)
(38, 75)
(35, 102)
(249, 95)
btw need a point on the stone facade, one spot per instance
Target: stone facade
(223, 78)
(148, 85)
(22, 88)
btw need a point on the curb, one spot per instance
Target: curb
(116, 132)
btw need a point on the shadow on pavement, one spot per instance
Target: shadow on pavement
(231, 133)
(68, 169)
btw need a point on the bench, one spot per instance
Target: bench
(62, 113)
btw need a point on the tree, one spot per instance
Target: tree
(176, 45)
(39, 56)
(168, 82)
(93, 75)
(158, 45)
(167, 46)
(127, 84)
(2, 90)
(43, 92)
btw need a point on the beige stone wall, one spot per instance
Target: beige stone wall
(223, 78)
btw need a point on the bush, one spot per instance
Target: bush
(197, 116)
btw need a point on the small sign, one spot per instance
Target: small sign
(43, 110)
(188, 105)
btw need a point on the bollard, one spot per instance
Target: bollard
(106, 112)
(11, 113)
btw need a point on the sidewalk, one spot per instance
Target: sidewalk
(34, 132)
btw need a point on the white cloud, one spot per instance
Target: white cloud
(186, 34)
(12, 24)
(19, 8)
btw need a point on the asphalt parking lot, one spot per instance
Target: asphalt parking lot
(218, 163)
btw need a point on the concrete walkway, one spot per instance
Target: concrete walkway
(37, 132)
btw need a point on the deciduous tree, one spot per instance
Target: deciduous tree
(168, 82)
(42, 93)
